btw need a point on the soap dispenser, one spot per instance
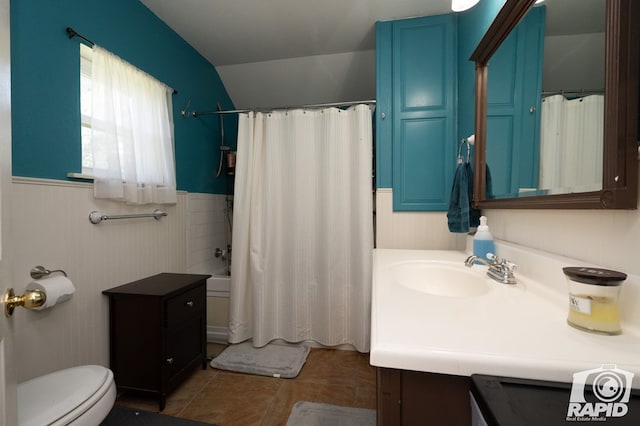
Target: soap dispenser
(483, 240)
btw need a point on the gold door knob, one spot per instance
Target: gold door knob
(30, 299)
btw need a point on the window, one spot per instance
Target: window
(127, 130)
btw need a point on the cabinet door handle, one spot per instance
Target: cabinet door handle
(169, 360)
(189, 303)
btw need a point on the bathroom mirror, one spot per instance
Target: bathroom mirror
(618, 185)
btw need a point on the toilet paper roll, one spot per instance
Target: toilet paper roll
(58, 289)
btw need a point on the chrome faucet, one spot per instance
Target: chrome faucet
(500, 270)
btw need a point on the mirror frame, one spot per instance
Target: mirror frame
(620, 157)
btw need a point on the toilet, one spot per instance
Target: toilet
(78, 396)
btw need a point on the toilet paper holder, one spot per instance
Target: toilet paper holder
(38, 272)
(30, 299)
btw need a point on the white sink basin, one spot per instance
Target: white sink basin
(509, 330)
(439, 278)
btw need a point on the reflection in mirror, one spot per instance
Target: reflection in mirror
(572, 108)
(545, 102)
(521, 162)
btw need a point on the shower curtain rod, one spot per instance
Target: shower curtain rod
(573, 92)
(325, 105)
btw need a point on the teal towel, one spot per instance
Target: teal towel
(474, 214)
(461, 215)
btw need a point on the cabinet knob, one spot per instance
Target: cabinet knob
(189, 303)
(169, 360)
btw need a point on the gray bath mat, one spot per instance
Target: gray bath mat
(273, 360)
(314, 414)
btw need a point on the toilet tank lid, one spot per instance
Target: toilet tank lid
(43, 400)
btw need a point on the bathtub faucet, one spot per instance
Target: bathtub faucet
(500, 270)
(224, 254)
(220, 253)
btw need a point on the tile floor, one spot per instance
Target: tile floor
(224, 398)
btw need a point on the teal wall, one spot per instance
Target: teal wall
(46, 90)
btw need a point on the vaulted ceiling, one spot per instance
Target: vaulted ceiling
(231, 32)
(289, 52)
(295, 52)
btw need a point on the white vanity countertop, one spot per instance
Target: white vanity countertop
(515, 331)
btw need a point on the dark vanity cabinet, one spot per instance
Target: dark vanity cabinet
(157, 331)
(416, 398)
(511, 401)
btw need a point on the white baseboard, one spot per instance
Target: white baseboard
(217, 334)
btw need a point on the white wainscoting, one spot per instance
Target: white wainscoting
(206, 224)
(50, 227)
(412, 230)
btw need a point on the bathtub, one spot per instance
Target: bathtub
(219, 284)
(218, 287)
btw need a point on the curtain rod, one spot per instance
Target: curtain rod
(573, 92)
(325, 105)
(73, 33)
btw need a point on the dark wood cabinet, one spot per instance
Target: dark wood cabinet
(417, 398)
(157, 331)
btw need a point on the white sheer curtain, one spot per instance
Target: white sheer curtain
(571, 144)
(303, 228)
(131, 133)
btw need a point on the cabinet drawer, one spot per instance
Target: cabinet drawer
(186, 305)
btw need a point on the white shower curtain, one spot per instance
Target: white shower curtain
(571, 144)
(303, 228)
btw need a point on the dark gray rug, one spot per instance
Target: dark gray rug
(273, 360)
(122, 416)
(315, 414)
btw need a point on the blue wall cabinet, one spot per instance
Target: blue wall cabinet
(416, 96)
(513, 108)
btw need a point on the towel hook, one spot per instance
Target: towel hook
(468, 141)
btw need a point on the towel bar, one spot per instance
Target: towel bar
(96, 217)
